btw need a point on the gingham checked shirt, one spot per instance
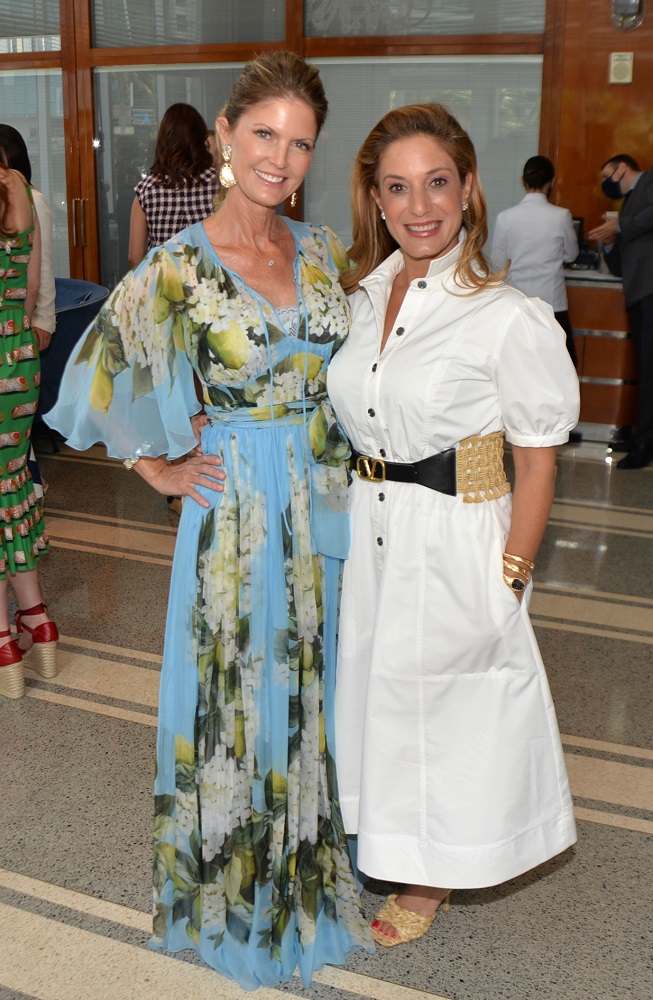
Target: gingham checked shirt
(169, 209)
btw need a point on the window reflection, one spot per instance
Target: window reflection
(29, 26)
(496, 98)
(32, 101)
(128, 23)
(333, 18)
(130, 103)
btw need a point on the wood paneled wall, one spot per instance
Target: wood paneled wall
(589, 119)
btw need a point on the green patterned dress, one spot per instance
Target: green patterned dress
(251, 867)
(23, 536)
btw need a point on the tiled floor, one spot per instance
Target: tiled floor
(78, 760)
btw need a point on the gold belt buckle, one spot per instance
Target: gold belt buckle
(370, 469)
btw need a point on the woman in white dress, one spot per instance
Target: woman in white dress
(449, 760)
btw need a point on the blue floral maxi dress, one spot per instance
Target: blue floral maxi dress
(23, 538)
(251, 867)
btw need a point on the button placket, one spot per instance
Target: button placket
(379, 510)
(371, 389)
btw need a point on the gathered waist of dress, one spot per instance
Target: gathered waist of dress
(281, 413)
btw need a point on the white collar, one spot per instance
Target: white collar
(388, 269)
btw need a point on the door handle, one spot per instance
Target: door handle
(74, 218)
(79, 207)
(82, 208)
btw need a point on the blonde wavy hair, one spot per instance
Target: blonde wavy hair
(372, 241)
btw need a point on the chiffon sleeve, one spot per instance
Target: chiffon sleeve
(339, 256)
(129, 383)
(537, 381)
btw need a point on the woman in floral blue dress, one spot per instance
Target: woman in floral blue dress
(251, 867)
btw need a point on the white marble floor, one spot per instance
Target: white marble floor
(78, 756)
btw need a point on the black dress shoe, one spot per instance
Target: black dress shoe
(636, 459)
(622, 445)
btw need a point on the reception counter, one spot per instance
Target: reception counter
(607, 369)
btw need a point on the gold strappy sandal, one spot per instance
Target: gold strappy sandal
(408, 924)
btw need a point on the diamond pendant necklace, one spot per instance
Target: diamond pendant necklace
(269, 263)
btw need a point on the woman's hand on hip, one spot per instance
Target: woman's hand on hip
(182, 479)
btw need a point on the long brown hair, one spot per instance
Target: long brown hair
(372, 241)
(5, 201)
(181, 152)
(13, 151)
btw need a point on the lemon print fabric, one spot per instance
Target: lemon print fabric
(229, 346)
(251, 865)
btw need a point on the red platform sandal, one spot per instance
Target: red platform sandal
(12, 675)
(40, 649)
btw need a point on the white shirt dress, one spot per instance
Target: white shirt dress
(449, 760)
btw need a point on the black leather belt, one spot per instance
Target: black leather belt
(437, 472)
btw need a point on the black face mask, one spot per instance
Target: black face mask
(611, 188)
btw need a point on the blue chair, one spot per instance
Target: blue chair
(77, 303)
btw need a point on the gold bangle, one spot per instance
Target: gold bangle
(514, 567)
(520, 560)
(517, 572)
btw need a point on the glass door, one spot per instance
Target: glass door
(32, 101)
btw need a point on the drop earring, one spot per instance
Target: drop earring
(293, 199)
(226, 175)
(465, 206)
(383, 215)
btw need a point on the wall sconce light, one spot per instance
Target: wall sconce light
(627, 14)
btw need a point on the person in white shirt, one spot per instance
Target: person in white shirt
(536, 239)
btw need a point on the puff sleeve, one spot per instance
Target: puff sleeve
(129, 383)
(537, 382)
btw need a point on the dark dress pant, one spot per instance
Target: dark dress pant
(640, 316)
(563, 319)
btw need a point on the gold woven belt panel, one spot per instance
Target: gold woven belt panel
(480, 474)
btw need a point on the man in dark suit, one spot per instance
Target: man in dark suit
(628, 250)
